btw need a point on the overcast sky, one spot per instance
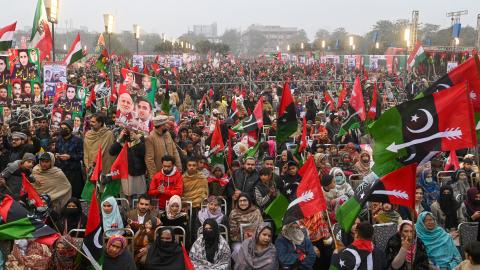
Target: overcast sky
(175, 17)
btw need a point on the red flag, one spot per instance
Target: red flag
(156, 68)
(217, 144)
(452, 161)
(356, 100)
(329, 100)
(202, 102)
(91, 98)
(303, 143)
(372, 112)
(210, 92)
(186, 259)
(119, 169)
(92, 243)
(342, 96)
(31, 192)
(98, 166)
(397, 187)
(310, 199)
(145, 70)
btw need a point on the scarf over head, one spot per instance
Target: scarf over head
(293, 234)
(175, 199)
(122, 241)
(64, 259)
(248, 257)
(211, 238)
(163, 254)
(413, 248)
(470, 203)
(112, 220)
(449, 206)
(441, 249)
(205, 213)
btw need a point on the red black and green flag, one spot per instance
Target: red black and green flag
(287, 123)
(328, 100)
(375, 105)
(309, 195)
(17, 223)
(102, 61)
(414, 131)
(468, 71)
(93, 241)
(397, 187)
(356, 109)
(254, 121)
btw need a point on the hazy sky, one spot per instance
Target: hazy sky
(174, 17)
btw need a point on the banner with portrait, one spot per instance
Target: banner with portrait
(52, 74)
(137, 61)
(135, 101)
(25, 64)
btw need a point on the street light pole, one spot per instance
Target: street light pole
(52, 7)
(136, 33)
(108, 21)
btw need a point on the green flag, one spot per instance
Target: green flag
(287, 123)
(276, 210)
(153, 91)
(356, 108)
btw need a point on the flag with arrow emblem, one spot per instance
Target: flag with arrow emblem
(356, 109)
(414, 131)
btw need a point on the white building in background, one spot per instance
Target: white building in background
(207, 30)
(275, 35)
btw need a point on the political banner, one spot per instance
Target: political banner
(137, 61)
(52, 74)
(26, 65)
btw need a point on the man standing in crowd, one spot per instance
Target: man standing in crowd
(167, 182)
(11, 177)
(98, 136)
(243, 180)
(19, 146)
(69, 157)
(158, 145)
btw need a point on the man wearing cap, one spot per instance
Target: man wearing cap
(52, 181)
(159, 144)
(18, 146)
(98, 136)
(11, 176)
(69, 157)
(290, 181)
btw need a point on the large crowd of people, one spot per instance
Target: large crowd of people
(180, 207)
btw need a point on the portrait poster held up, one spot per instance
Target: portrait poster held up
(52, 74)
(5, 86)
(25, 64)
(135, 101)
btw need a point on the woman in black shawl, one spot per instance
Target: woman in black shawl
(165, 253)
(447, 210)
(72, 217)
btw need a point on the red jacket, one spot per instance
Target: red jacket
(173, 184)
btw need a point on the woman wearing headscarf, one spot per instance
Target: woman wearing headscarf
(321, 161)
(173, 215)
(459, 183)
(405, 251)
(471, 206)
(363, 164)
(294, 248)
(430, 186)
(447, 210)
(72, 217)
(441, 249)
(52, 181)
(165, 253)
(112, 219)
(257, 252)
(117, 256)
(212, 211)
(387, 215)
(210, 251)
(64, 256)
(342, 187)
(244, 213)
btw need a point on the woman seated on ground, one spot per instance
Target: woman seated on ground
(294, 248)
(441, 249)
(403, 249)
(210, 251)
(164, 253)
(257, 252)
(446, 210)
(387, 215)
(471, 206)
(144, 237)
(112, 219)
(245, 212)
(72, 217)
(117, 256)
(212, 211)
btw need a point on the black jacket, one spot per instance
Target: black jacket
(244, 182)
(136, 157)
(393, 247)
